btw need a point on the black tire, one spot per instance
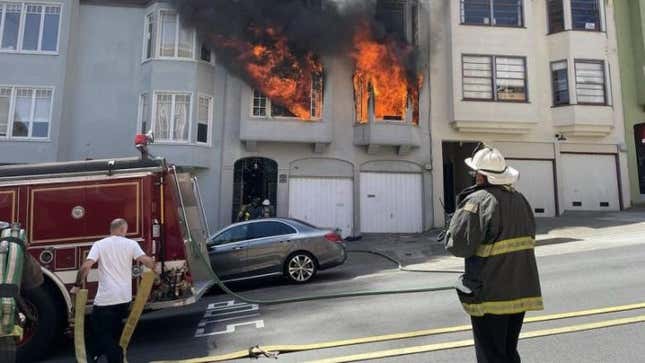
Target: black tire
(300, 267)
(47, 327)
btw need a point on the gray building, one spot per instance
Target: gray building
(80, 78)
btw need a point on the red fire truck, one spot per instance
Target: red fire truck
(66, 206)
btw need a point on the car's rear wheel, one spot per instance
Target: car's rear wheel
(300, 267)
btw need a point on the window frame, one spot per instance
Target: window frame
(269, 111)
(493, 78)
(491, 12)
(601, 18)
(153, 37)
(141, 113)
(32, 111)
(606, 82)
(177, 29)
(209, 123)
(548, 18)
(553, 90)
(153, 118)
(21, 27)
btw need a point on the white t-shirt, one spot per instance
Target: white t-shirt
(114, 255)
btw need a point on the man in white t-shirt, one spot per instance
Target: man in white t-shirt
(114, 255)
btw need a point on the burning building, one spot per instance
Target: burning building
(320, 106)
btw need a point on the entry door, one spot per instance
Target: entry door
(537, 184)
(323, 202)
(391, 203)
(590, 182)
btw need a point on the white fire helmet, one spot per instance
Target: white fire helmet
(266, 202)
(490, 162)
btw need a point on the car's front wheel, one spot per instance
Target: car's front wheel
(300, 267)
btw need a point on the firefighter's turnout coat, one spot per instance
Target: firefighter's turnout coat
(494, 230)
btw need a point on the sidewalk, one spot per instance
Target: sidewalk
(412, 249)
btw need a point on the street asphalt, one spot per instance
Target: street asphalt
(586, 261)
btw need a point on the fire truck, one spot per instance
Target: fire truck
(66, 206)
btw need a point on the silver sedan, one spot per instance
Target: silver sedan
(274, 246)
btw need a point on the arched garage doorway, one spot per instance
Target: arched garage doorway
(254, 178)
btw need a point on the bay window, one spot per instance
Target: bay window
(261, 105)
(590, 82)
(171, 119)
(555, 10)
(204, 119)
(560, 83)
(25, 112)
(26, 27)
(149, 37)
(175, 41)
(585, 14)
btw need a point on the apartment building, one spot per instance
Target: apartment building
(539, 80)
(81, 78)
(630, 21)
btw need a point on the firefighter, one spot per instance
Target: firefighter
(249, 211)
(13, 246)
(267, 210)
(494, 230)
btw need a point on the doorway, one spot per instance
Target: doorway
(254, 178)
(456, 176)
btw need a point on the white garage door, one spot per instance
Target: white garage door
(537, 184)
(391, 203)
(323, 202)
(590, 182)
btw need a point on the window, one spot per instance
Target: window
(172, 116)
(149, 36)
(144, 113)
(29, 27)
(263, 107)
(492, 12)
(175, 40)
(555, 9)
(268, 229)
(398, 18)
(508, 74)
(204, 118)
(231, 235)
(31, 112)
(206, 53)
(585, 14)
(560, 80)
(590, 82)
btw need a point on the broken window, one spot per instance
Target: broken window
(262, 105)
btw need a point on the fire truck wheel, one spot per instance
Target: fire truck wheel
(300, 267)
(39, 336)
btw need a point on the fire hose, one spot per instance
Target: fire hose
(245, 299)
(143, 293)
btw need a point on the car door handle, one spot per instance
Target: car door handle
(285, 241)
(238, 247)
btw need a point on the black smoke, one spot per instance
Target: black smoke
(324, 27)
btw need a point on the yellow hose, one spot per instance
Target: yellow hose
(79, 325)
(143, 293)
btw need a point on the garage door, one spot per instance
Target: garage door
(391, 203)
(323, 202)
(537, 184)
(590, 182)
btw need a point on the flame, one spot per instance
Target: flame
(381, 78)
(277, 72)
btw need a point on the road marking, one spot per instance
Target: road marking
(407, 335)
(234, 311)
(230, 328)
(470, 342)
(205, 322)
